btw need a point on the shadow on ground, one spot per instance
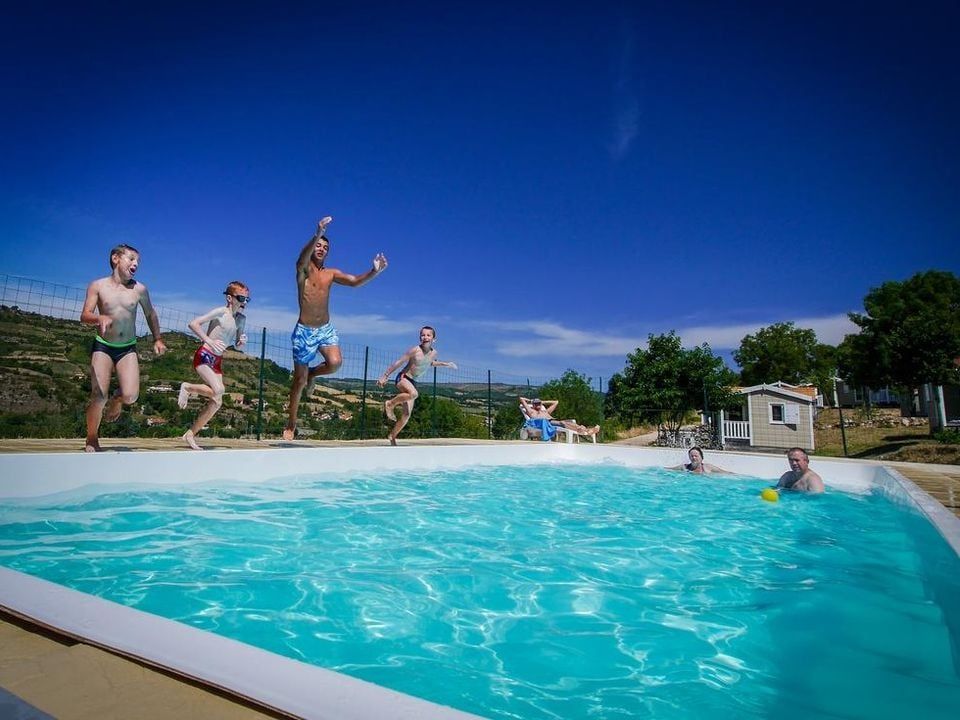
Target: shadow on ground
(893, 444)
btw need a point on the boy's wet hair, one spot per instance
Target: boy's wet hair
(427, 327)
(121, 248)
(233, 286)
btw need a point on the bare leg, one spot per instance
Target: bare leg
(188, 389)
(407, 396)
(296, 389)
(302, 375)
(101, 366)
(212, 390)
(128, 377)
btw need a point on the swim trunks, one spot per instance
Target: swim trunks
(114, 350)
(401, 375)
(307, 341)
(204, 357)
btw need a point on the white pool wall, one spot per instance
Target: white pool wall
(281, 683)
(38, 474)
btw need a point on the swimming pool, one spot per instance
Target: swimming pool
(586, 602)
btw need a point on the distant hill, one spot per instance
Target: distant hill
(45, 384)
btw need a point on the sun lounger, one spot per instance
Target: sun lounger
(568, 435)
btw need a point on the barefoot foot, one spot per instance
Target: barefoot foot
(393, 440)
(191, 440)
(112, 411)
(93, 445)
(183, 397)
(288, 433)
(388, 411)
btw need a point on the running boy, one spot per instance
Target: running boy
(111, 305)
(314, 334)
(225, 326)
(415, 361)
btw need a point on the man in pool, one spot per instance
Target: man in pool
(800, 477)
(415, 361)
(111, 304)
(698, 466)
(314, 334)
(538, 410)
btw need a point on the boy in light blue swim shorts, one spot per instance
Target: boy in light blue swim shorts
(313, 335)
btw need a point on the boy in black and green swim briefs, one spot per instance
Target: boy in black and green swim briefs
(111, 304)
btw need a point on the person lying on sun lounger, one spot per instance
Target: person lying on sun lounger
(537, 411)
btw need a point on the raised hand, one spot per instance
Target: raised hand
(380, 263)
(322, 225)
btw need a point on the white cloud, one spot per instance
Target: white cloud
(830, 330)
(544, 339)
(626, 119)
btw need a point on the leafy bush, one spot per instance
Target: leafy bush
(947, 437)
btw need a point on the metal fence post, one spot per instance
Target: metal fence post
(263, 354)
(490, 407)
(433, 406)
(363, 396)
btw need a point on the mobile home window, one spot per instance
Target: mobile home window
(776, 413)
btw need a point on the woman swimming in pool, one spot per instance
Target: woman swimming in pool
(697, 465)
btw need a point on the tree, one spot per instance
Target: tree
(785, 352)
(666, 382)
(576, 399)
(909, 334)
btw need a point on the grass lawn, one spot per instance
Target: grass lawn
(868, 441)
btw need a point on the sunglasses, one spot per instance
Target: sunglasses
(242, 298)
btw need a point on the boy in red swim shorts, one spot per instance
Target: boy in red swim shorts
(225, 325)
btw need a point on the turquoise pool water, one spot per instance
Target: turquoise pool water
(573, 591)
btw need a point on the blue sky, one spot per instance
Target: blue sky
(550, 182)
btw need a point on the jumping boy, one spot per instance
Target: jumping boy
(225, 326)
(111, 305)
(415, 361)
(313, 333)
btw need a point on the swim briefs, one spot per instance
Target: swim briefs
(203, 356)
(307, 341)
(400, 376)
(114, 350)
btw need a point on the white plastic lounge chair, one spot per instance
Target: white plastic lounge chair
(567, 434)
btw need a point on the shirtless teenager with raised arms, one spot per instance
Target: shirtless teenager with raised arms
(314, 334)
(111, 304)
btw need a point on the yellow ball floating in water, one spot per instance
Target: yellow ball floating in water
(770, 495)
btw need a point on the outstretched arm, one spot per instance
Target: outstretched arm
(197, 326)
(304, 258)
(89, 316)
(153, 322)
(241, 339)
(396, 365)
(444, 363)
(379, 265)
